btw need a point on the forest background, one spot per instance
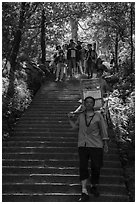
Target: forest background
(30, 33)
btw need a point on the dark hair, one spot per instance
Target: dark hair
(89, 97)
(57, 47)
(78, 42)
(61, 51)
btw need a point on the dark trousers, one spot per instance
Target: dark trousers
(95, 155)
(90, 68)
(72, 66)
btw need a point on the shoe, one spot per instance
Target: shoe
(84, 197)
(94, 191)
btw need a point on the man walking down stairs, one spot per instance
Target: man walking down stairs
(40, 161)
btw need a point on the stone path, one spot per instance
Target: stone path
(40, 161)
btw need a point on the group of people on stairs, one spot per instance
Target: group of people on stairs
(74, 59)
(92, 140)
(92, 130)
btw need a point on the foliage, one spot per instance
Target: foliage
(5, 83)
(108, 21)
(102, 20)
(122, 115)
(9, 21)
(97, 21)
(27, 81)
(22, 96)
(20, 102)
(117, 112)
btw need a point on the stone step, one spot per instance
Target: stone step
(52, 131)
(42, 121)
(55, 102)
(48, 111)
(44, 102)
(53, 152)
(59, 108)
(55, 138)
(55, 114)
(52, 116)
(41, 137)
(55, 170)
(59, 94)
(59, 197)
(40, 159)
(44, 148)
(39, 144)
(57, 178)
(51, 144)
(59, 187)
(46, 123)
(59, 155)
(9, 158)
(55, 106)
(47, 108)
(73, 162)
(61, 97)
(45, 130)
(45, 134)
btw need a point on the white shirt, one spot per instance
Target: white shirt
(93, 135)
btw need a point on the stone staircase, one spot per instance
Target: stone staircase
(40, 161)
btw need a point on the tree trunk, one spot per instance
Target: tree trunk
(13, 57)
(132, 46)
(116, 53)
(43, 44)
(17, 38)
(74, 29)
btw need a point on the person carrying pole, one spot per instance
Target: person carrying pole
(92, 140)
